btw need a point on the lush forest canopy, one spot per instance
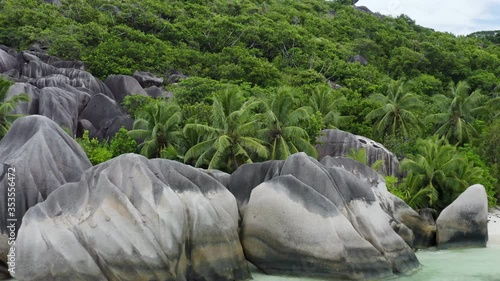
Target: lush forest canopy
(266, 76)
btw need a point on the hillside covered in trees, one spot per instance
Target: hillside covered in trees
(263, 78)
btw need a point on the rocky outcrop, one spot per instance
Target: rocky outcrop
(464, 223)
(66, 93)
(340, 143)
(122, 86)
(359, 59)
(134, 219)
(41, 157)
(76, 77)
(309, 219)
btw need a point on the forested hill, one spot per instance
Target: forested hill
(493, 35)
(316, 64)
(266, 43)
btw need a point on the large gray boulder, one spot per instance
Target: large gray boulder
(147, 79)
(109, 129)
(417, 231)
(309, 219)
(101, 110)
(60, 106)
(156, 92)
(44, 157)
(464, 223)
(122, 86)
(134, 219)
(25, 108)
(248, 176)
(340, 143)
(7, 62)
(359, 59)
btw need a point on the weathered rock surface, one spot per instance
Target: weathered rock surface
(156, 92)
(25, 108)
(309, 219)
(77, 77)
(101, 110)
(464, 223)
(122, 86)
(359, 59)
(112, 126)
(247, 177)
(7, 62)
(176, 77)
(44, 157)
(147, 79)
(134, 219)
(60, 106)
(415, 229)
(339, 143)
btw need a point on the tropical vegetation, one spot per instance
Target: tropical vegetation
(264, 77)
(7, 106)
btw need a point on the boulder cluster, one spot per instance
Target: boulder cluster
(72, 97)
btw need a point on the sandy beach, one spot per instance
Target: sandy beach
(494, 226)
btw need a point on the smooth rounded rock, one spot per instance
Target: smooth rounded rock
(122, 86)
(464, 223)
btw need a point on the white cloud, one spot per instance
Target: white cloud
(460, 17)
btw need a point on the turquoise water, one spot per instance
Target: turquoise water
(481, 264)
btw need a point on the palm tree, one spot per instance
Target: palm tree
(282, 120)
(325, 102)
(229, 140)
(457, 123)
(394, 116)
(7, 106)
(437, 175)
(157, 125)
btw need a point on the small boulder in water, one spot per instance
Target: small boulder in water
(464, 223)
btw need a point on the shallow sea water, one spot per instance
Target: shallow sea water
(479, 264)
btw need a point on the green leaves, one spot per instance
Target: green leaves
(96, 151)
(438, 174)
(7, 106)
(157, 126)
(456, 123)
(395, 116)
(229, 140)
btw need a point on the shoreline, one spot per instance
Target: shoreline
(493, 226)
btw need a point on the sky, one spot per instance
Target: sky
(460, 17)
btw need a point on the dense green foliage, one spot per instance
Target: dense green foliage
(96, 151)
(440, 172)
(99, 152)
(157, 125)
(229, 140)
(294, 68)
